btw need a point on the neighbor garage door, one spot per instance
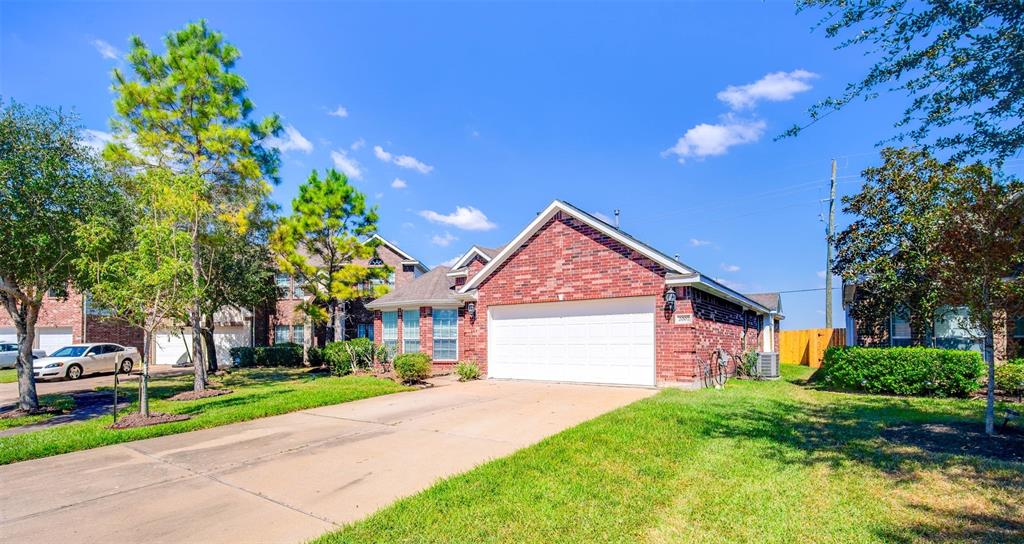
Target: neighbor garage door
(594, 341)
(53, 338)
(171, 347)
(225, 338)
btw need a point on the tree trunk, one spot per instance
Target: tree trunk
(198, 357)
(336, 331)
(27, 398)
(144, 378)
(990, 397)
(211, 348)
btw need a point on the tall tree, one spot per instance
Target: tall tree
(145, 278)
(958, 61)
(982, 248)
(237, 273)
(888, 251)
(320, 242)
(49, 184)
(186, 111)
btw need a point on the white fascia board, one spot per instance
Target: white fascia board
(410, 304)
(468, 256)
(457, 273)
(700, 282)
(405, 256)
(543, 217)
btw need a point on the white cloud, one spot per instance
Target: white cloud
(358, 144)
(293, 140)
(821, 274)
(96, 139)
(706, 140)
(699, 243)
(465, 218)
(340, 111)
(604, 218)
(106, 50)
(399, 183)
(451, 261)
(443, 241)
(730, 267)
(731, 284)
(773, 87)
(347, 164)
(405, 161)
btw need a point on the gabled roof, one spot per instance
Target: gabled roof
(772, 301)
(485, 254)
(681, 273)
(406, 258)
(431, 289)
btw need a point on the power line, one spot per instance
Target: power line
(806, 290)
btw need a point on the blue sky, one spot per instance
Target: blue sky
(461, 121)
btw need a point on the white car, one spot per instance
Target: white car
(73, 361)
(9, 354)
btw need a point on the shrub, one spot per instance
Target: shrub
(336, 357)
(1010, 378)
(467, 370)
(287, 355)
(412, 367)
(903, 371)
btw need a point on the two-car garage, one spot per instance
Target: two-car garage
(48, 339)
(593, 341)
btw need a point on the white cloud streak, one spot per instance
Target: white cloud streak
(465, 218)
(404, 161)
(699, 243)
(773, 87)
(705, 140)
(340, 111)
(730, 267)
(293, 140)
(444, 240)
(347, 164)
(399, 183)
(106, 50)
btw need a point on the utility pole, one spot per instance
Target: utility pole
(830, 230)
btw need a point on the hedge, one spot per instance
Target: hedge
(912, 371)
(1010, 378)
(287, 355)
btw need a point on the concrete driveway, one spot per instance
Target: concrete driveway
(9, 391)
(286, 478)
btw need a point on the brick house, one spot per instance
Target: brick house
(284, 322)
(71, 319)
(951, 330)
(572, 298)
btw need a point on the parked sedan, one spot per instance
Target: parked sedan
(9, 354)
(72, 362)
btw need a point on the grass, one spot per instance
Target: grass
(8, 375)
(63, 402)
(257, 393)
(755, 462)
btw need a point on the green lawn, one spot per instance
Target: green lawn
(756, 462)
(8, 375)
(257, 393)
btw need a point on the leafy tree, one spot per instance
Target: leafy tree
(982, 248)
(957, 60)
(237, 273)
(49, 184)
(320, 242)
(146, 278)
(889, 249)
(186, 111)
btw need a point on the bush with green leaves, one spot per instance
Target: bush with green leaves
(1010, 378)
(467, 370)
(355, 354)
(284, 355)
(912, 371)
(412, 367)
(336, 357)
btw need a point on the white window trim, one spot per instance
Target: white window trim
(383, 331)
(456, 310)
(419, 340)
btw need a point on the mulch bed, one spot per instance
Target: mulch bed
(18, 412)
(962, 439)
(131, 421)
(196, 395)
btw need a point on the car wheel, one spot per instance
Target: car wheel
(74, 372)
(126, 366)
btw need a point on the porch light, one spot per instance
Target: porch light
(471, 309)
(670, 299)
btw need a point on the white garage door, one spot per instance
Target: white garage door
(226, 338)
(171, 347)
(594, 341)
(8, 334)
(53, 338)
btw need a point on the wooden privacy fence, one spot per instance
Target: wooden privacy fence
(807, 346)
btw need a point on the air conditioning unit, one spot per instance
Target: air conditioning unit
(767, 365)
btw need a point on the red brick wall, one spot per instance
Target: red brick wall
(99, 329)
(56, 312)
(426, 331)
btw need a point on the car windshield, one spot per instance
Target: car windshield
(70, 351)
(8, 347)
